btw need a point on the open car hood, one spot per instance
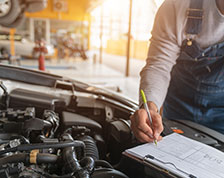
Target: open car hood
(40, 78)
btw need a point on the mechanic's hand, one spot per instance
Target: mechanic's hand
(141, 126)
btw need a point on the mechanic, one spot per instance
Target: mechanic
(184, 71)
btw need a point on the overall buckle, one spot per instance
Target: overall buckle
(195, 13)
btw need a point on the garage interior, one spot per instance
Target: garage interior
(69, 90)
(99, 27)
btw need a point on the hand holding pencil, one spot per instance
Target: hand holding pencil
(147, 125)
(148, 113)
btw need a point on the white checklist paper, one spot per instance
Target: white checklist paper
(183, 157)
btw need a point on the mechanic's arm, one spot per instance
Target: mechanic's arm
(155, 76)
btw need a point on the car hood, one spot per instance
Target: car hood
(41, 78)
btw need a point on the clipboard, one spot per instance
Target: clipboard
(152, 167)
(179, 156)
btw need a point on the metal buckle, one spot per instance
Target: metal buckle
(189, 42)
(200, 16)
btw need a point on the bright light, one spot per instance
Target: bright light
(116, 20)
(117, 6)
(159, 2)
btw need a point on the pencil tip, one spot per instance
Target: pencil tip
(155, 141)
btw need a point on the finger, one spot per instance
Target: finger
(160, 138)
(142, 137)
(143, 124)
(157, 125)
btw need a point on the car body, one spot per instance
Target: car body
(23, 46)
(12, 11)
(53, 126)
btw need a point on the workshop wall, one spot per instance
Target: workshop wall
(138, 49)
(74, 10)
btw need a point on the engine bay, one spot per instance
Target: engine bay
(44, 134)
(56, 127)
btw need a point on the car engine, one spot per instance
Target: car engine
(42, 137)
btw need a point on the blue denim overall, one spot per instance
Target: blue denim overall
(196, 90)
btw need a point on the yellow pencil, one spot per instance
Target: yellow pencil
(147, 110)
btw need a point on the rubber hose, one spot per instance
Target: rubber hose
(103, 163)
(91, 148)
(46, 158)
(25, 158)
(16, 158)
(29, 147)
(80, 151)
(88, 163)
(71, 164)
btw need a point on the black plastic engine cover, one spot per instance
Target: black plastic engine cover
(41, 101)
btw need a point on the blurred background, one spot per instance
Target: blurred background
(103, 42)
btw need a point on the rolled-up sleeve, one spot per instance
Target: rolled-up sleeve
(162, 54)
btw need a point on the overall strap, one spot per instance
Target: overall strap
(194, 17)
